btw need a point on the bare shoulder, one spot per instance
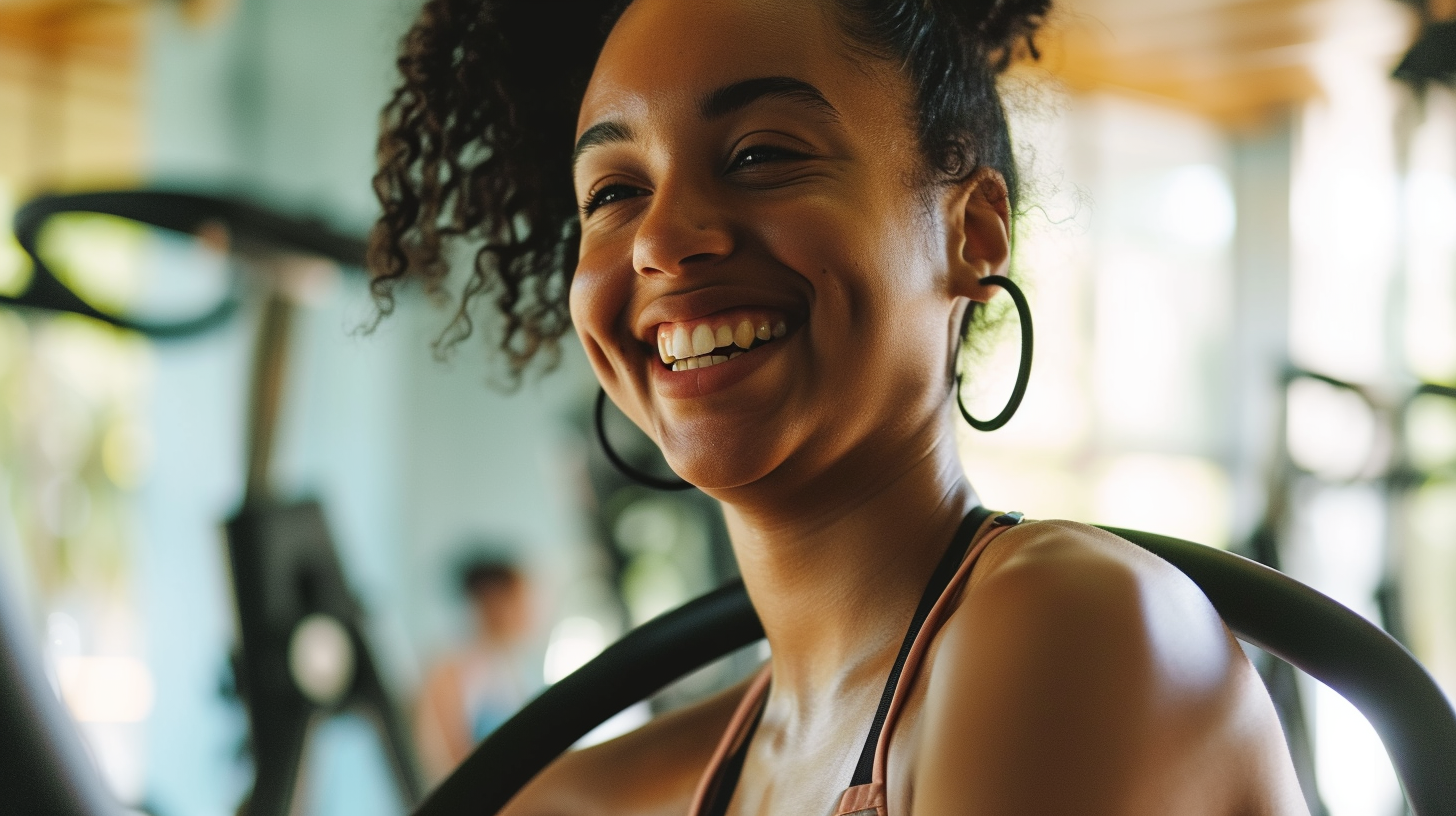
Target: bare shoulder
(1057, 546)
(1070, 600)
(652, 770)
(1088, 581)
(1084, 674)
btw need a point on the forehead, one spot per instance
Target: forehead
(664, 56)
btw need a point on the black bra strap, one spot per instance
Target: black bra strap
(721, 795)
(939, 580)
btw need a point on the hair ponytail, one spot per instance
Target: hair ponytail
(1003, 30)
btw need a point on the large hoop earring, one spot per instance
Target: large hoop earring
(1023, 371)
(621, 465)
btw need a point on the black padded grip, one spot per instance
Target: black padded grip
(1341, 649)
(1262, 606)
(643, 662)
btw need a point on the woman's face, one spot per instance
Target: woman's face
(763, 284)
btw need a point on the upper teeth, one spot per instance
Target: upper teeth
(686, 349)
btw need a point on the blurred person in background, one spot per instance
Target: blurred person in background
(471, 691)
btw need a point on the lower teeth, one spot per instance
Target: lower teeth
(704, 361)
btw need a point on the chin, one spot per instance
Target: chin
(712, 460)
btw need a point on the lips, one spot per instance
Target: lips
(716, 339)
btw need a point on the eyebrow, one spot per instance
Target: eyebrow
(739, 95)
(717, 104)
(600, 134)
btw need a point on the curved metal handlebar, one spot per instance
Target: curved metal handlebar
(250, 227)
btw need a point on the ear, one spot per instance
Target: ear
(978, 239)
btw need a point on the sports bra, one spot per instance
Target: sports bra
(866, 795)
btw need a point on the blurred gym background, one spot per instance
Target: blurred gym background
(1240, 248)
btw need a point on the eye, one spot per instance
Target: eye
(761, 154)
(610, 194)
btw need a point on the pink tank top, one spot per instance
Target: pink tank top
(866, 795)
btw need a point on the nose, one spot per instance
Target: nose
(682, 230)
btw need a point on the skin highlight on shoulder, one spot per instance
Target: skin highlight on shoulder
(1084, 675)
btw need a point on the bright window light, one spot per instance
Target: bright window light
(1332, 431)
(105, 689)
(574, 641)
(1196, 206)
(1354, 772)
(1181, 496)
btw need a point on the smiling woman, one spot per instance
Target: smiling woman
(767, 223)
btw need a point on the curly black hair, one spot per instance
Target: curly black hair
(476, 141)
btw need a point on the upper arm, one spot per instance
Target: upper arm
(1076, 677)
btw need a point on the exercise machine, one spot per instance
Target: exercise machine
(302, 654)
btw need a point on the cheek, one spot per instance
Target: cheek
(821, 242)
(882, 294)
(599, 295)
(878, 284)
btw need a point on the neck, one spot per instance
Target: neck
(836, 567)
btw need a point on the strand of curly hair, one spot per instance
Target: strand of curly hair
(475, 147)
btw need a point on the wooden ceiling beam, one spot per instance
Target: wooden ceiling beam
(1232, 60)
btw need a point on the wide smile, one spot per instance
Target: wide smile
(704, 355)
(717, 339)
